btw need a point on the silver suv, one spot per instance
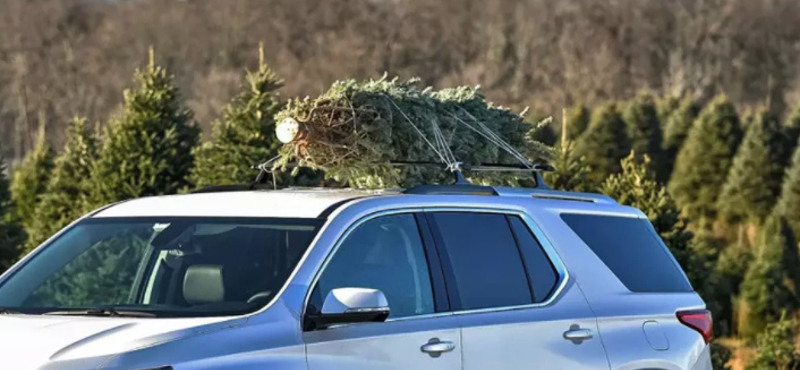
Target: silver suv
(459, 277)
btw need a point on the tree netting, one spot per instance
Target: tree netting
(356, 130)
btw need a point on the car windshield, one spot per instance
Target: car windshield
(162, 267)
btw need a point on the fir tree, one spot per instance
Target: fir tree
(604, 143)
(30, 179)
(754, 182)
(789, 201)
(702, 165)
(771, 283)
(147, 148)
(578, 118)
(571, 172)
(676, 127)
(11, 233)
(66, 192)
(244, 137)
(636, 186)
(776, 347)
(644, 132)
(542, 130)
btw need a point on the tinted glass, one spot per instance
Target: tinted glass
(386, 254)
(542, 274)
(632, 250)
(172, 266)
(485, 263)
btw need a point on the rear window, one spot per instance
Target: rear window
(631, 250)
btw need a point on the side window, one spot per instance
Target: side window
(385, 253)
(483, 260)
(541, 273)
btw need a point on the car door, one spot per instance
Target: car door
(391, 254)
(512, 296)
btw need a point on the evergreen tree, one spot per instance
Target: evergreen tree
(636, 186)
(724, 280)
(244, 137)
(578, 118)
(676, 127)
(644, 131)
(754, 182)
(776, 347)
(604, 143)
(789, 201)
(65, 197)
(666, 106)
(11, 233)
(571, 172)
(702, 165)
(770, 285)
(147, 148)
(30, 179)
(791, 129)
(542, 130)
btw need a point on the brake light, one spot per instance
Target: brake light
(700, 320)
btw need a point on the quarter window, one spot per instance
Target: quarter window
(482, 259)
(385, 253)
(541, 273)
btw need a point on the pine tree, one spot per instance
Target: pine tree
(578, 118)
(644, 131)
(676, 127)
(244, 137)
(11, 233)
(571, 172)
(604, 143)
(791, 129)
(541, 130)
(770, 285)
(29, 180)
(65, 197)
(147, 148)
(636, 186)
(789, 201)
(754, 182)
(702, 165)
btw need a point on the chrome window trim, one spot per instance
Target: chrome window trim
(550, 251)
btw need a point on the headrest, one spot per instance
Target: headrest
(203, 284)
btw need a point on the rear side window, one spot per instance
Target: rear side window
(542, 275)
(483, 260)
(631, 250)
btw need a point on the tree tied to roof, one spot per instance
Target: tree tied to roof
(355, 130)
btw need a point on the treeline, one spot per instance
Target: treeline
(68, 57)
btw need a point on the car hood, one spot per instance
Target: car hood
(32, 342)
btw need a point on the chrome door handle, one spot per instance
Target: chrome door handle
(436, 347)
(577, 335)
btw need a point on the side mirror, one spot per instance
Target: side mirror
(350, 306)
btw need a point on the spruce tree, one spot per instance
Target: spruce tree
(702, 165)
(676, 127)
(29, 180)
(636, 186)
(754, 182)
(578, 118)
(604, 143)
(789, 202)
(770, 285)
(644, 131)
(245, 135)
(11, 233)
(791, 130)
(571, 172)
(65, 196)
(146, 148)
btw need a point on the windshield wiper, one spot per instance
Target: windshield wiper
(104, 312)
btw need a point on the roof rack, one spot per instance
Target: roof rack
(462, 186)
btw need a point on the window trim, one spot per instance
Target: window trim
(549, 250)
(547, 246)
(424, 234)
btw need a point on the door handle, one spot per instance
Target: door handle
(577, 335)
(436, 347)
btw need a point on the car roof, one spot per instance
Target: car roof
(290, 203)
(285, 203)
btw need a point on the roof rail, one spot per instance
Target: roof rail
(227, 188)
